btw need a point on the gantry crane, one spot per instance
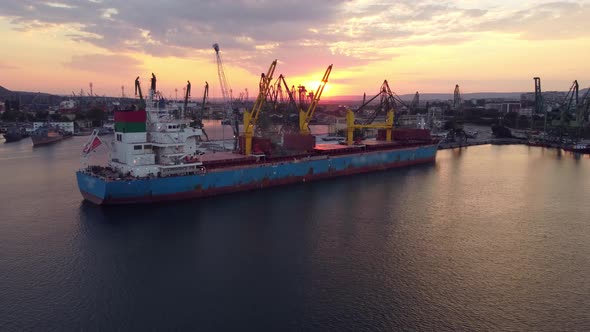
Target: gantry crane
(251, 117)
(306, 116)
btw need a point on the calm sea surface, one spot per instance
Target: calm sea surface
(487, 238)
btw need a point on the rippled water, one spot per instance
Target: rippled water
(488, 238)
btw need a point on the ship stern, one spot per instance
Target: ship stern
(92, 188)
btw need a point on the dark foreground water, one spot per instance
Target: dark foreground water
(488, 238)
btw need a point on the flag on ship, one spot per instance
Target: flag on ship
(93, 142)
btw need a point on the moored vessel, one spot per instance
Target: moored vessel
(48, 134)
(578, 148)
(14, 134)
(157, 157)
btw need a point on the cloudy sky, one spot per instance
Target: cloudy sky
(418, 45)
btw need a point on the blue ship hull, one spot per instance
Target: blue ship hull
(248, 177)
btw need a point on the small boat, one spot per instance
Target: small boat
(578, 148)
(14, 134)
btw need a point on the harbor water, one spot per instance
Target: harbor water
(487, 238)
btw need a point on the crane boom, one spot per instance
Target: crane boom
(227, 97)
(205, 95)
(199, 118)
(457, 101)
(251, 117)
(571, 99)
(305, 117)
(223, 84)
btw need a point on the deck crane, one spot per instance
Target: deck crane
(227, 98)
(251, 117)
(306, 116)
(198, 118)
(204, 102)
(138, 92)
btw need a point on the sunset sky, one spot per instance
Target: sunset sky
(427, 46)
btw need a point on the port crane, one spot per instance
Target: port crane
(251, 117)
(187, 94)
(388, 103)
(572, 97)
(415, 103)
(584, 108)
(389, 100)
(538, 96)
(289, 125)
(567, 107)
(306, 116)
(231, 114)
(457, 102)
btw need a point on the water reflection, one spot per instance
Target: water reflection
(486, 238)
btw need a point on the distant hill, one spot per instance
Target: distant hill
(4, 92)
(433, 96)
(30, 100)
(466, 96)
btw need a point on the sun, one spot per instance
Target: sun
(313, 85)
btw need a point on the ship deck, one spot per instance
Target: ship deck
(222, 156)
(230, 160)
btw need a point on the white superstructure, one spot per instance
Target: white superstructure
(167, 146)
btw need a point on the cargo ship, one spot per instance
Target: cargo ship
(155, 157)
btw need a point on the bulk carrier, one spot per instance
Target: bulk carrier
(155, 156)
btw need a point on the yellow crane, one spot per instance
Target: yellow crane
(251, 117)
(306, 116)
(387, 104)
